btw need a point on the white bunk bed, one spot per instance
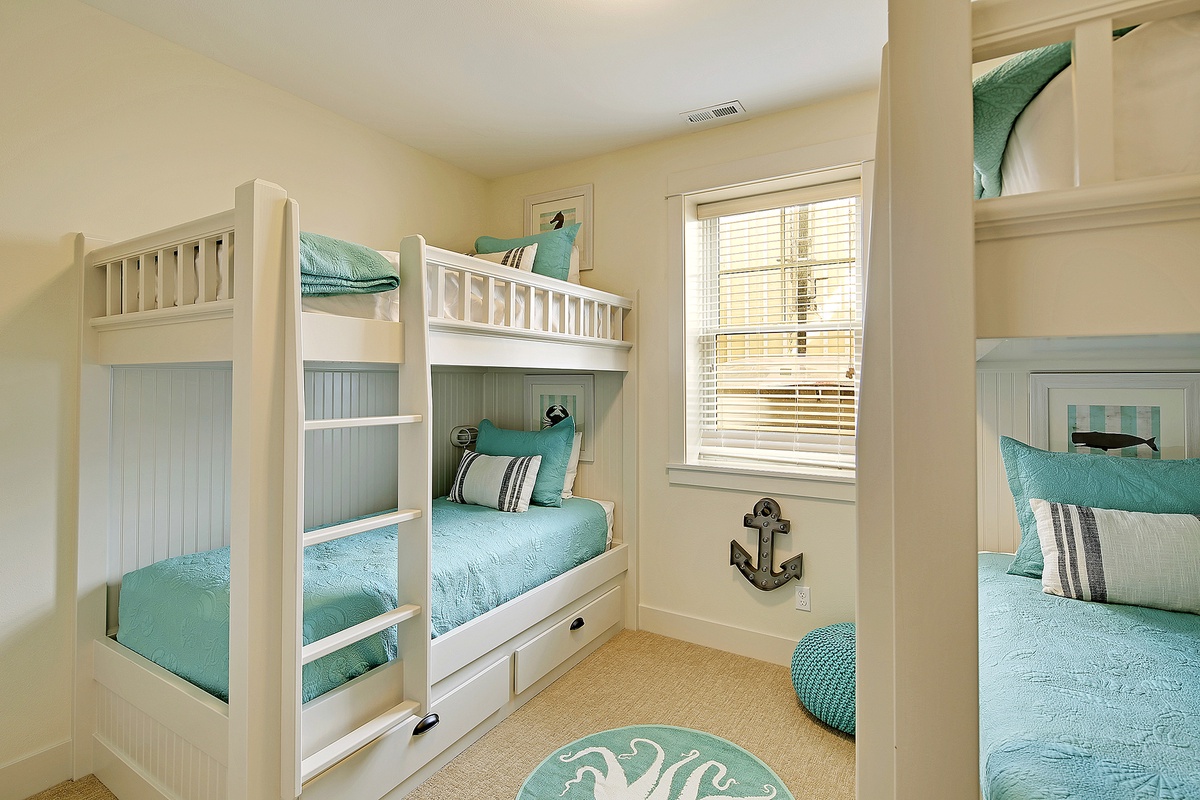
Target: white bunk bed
(168, 299)
(1106, 256)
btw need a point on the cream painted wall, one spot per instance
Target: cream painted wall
(687, 587)
(109, 130)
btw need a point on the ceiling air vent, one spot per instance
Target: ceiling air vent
(721, 111)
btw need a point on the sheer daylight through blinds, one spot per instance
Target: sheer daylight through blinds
(780, 319)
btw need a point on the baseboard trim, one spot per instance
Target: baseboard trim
(31, 774)
(763, 646)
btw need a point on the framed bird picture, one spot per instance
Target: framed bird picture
(1126, 415)
(558, 209)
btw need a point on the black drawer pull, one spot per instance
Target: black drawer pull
(577, 624)
(426, 724)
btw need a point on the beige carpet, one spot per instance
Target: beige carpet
(638, 678)
(641, 678)
(83, 789)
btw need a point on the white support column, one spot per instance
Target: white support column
(875, 739)
(414, 473)
(916, 483)
(1093, 92)
(292, 627)
(95, 404)
(259, 473)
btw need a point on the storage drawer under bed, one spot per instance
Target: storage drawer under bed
(534, 659)
(398, 754)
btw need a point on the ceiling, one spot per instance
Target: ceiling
(499, 87)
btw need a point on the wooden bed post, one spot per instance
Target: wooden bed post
(259, 471)
(916, 456)
(95, 404)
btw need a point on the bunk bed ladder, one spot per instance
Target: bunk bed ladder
(411, 516)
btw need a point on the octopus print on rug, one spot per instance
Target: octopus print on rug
(653, 762)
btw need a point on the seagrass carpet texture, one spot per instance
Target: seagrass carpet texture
(638, 678)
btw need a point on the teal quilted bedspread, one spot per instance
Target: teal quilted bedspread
(1084, 701)
(483, 558)
(176, 612)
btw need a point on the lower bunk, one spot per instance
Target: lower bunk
(1083, 700)
(555, 593)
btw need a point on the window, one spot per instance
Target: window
(774, 307)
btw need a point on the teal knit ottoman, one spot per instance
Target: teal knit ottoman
(823, 674)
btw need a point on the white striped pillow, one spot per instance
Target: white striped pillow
(501, 482)
(1127, 557)
(517, 258)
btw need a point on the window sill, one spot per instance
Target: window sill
(768, 482)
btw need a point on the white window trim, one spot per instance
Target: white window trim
(792, 169)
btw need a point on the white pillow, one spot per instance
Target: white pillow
(518, 257)
(1129, 557)
(572, 467)
(573, 273)
(500, 482)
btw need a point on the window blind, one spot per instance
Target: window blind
(779, 313)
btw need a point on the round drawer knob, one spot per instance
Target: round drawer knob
(427, 722)
(577, 624)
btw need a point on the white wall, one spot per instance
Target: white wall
(687, 587)
(109, 130)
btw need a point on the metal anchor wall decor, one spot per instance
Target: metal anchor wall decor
(766, 522)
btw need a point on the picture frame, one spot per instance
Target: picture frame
(1116, 414)
(576, 392)
(575, 204)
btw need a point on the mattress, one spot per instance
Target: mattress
(1084, 700)
(176, 612)
(1156, 111)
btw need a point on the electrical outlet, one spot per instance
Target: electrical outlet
(803, 599)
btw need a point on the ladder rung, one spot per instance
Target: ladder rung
(356, 739)
(323, 647)
(359, 526)
(359, 422)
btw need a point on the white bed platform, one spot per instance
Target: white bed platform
(1136, 236)
(1105, 257)
(149, 734)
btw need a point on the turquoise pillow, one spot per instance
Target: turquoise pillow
(553, 257)
(553, 444)
(1167, 486)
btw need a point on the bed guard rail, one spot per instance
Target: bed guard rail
(472, 292)
(187, 268)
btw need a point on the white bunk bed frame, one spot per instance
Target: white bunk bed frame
(149, 734)
(917, 624)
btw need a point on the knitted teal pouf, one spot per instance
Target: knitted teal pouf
(823, 674)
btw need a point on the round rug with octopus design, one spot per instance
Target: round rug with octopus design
(653, 762)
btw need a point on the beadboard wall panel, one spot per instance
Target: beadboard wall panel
(171, 434)
(1002, 399)
(600, 479)
(348, 472)
(181, 768)
(457, 400)
(170, 464)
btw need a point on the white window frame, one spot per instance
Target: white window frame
(829, 162)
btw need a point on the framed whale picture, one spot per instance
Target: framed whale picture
(1124, 415)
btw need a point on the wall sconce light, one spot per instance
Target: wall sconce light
(463, 435)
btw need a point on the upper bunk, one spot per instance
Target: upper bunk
(1101, 172)
(175, 296)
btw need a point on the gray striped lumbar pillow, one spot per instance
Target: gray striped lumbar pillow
(1128, 557)
(518, 257)
(502, 482)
